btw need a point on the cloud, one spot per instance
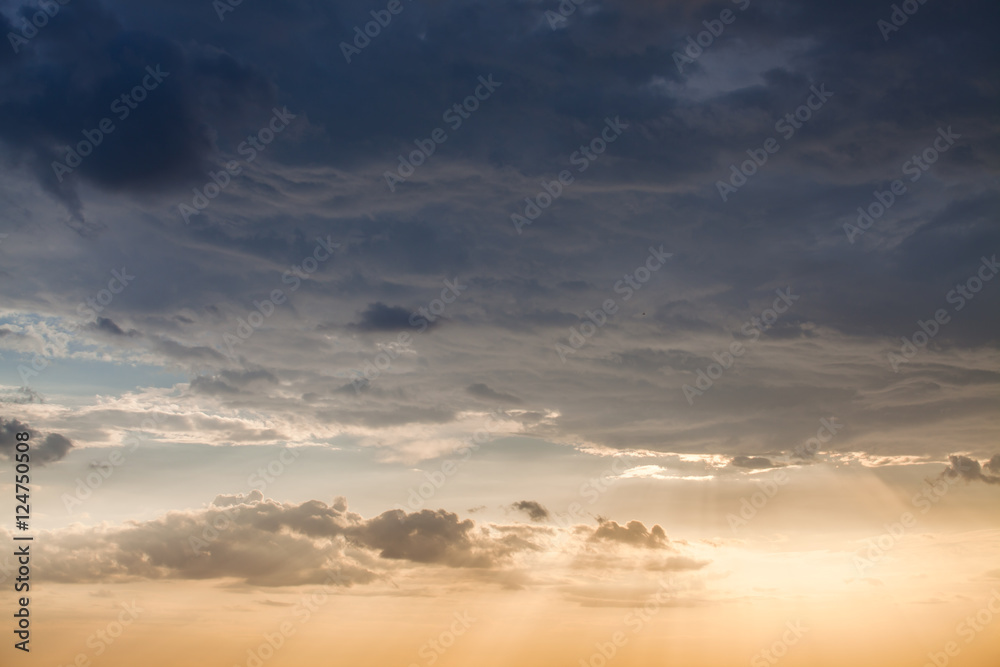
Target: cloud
(229, 382)
(223, 500)
(430, 536)
(534, 510)
(480, 390)
(108, 326)
(22, 396)
(677, 564)
(324, 174)
(267, 543)
(634, 533)
(262, 542)
(43, 448)
(162, 140)
(993, 465)
(963, 467)
(380, 317)
(753, 462)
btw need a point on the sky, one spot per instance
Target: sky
(433, 332)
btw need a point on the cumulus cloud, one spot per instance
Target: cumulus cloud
(267, 543)
(223, 500)
(534, 510)
(262, 542)
(431, 536)
(634, 533)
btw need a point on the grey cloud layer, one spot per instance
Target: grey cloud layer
(653, 186)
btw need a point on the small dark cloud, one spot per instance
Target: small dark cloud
(108, 326)
(753, 462)
(54, 447)
(275, 603)
(534, 510)
(380, 317)
(993, 465)
(480, 390)
(43, 448)
(963, 467)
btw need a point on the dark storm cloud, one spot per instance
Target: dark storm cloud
(68, 78)
(535, 511)
(655, 184)
(43, 448)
